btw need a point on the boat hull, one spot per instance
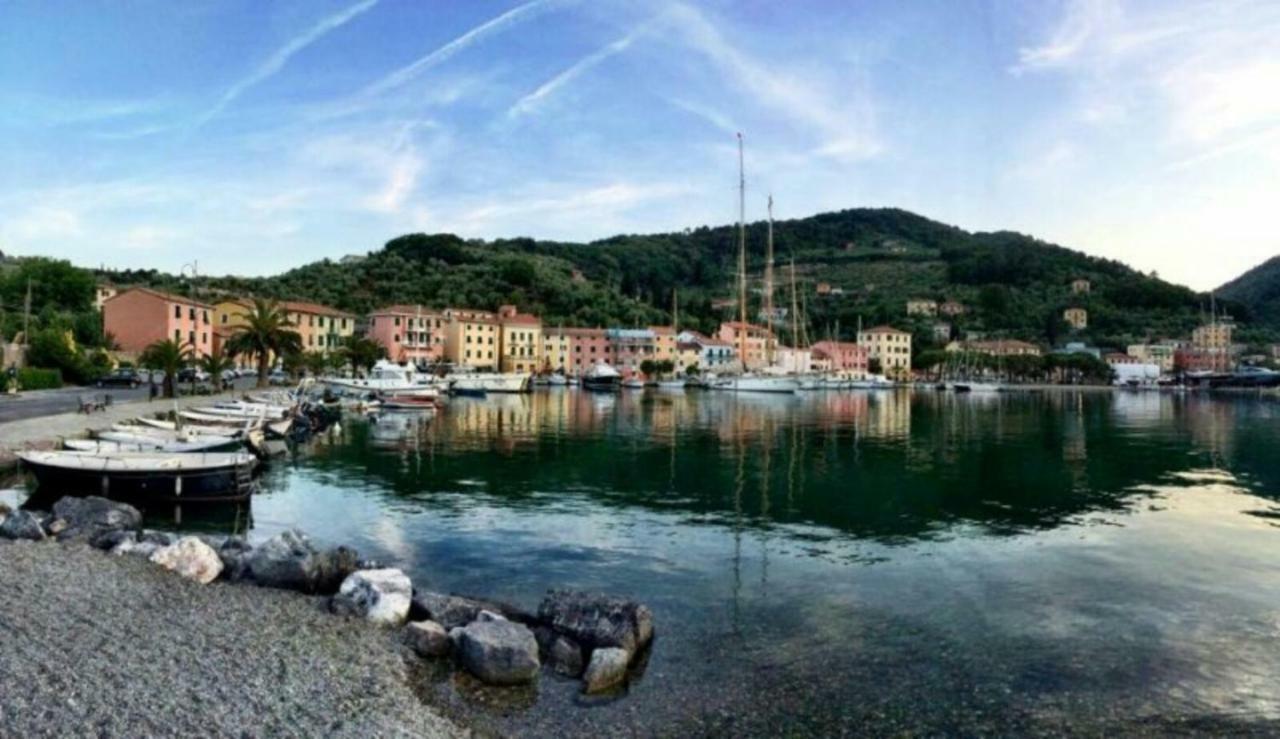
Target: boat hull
(196, 486)
(491, 383)
(757, 385)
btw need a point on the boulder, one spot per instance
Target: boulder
(22, 525)
(334, 567)
(381, 596)
(55, 526)
(564, 656)
(487, 615)
(428, 638)
(135, 547)
(234, 553)
(607, 669)
(596, 621)
(190, 557)
(156, 537)
(286, 560)
(108, 540)
(455, 610)
(94, 516)
(498, 652)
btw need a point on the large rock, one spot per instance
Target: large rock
(498, 652)
(607, 669)
(234, 553)
(381, 596)
(89, 519)
(451, 611)
(334, 567)
(428, 638)
(596, 621)
(564, 656)
(135, 547)
(22, 525)
(286, 560)
(191, 558)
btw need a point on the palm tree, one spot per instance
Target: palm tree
(362, 352)
(216, 364)
(168, 356)
(264, 332)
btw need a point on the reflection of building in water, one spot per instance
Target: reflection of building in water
(1212, 424)
(889, 415)
(500, 420)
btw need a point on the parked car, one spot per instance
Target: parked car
(123, 377)
(192, 374)
(279, 377)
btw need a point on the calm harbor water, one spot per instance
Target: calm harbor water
(874, 562)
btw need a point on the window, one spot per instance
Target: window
(204, 338)
(192, 313)
(191, 338)
(177, 311)
(395, 338)
(177, 335)
(204, 315)
(396, 320)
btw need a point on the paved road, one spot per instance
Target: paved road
(35, 403)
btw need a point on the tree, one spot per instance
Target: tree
(648, 367)
(361, 352)
(216, 364)
(168, 356)
(264, 332)
(874, 366)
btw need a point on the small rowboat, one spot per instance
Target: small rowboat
(110, 442)
(146, 475)
(408, 403)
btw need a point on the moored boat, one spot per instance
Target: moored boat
(601, 377)
(221, 476)
(489, 382)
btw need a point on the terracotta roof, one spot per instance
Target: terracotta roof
(172, 298)
(298, 306)
(524, 319)
(405, 310)
(664, 330)
(884, 330)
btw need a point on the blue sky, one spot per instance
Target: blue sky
(256, 136)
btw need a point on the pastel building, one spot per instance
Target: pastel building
(629, 347)
(408, 333)
(521, 340)
(104, 292)
(664, 343)
(713, 353)
(1076, 318)
(921, 307)
(892, 347)
(140, 316)
(557, 350)
(750, 341)
(587, 348)
(840, 356)
(472, 338)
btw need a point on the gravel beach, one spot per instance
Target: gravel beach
(95, 645)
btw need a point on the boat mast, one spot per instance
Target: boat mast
(795, 313)
(742, 257)
(768, 289)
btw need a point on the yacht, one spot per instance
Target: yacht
(469, 381)
(385, 377)
(753, 383)
(601, 377)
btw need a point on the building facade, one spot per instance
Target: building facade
(713, 354)
(892, 347)
(408, 333)
(751, 342)
(1076, 318)
(521, 340)
(840, 356)
(997, 348)
(472, 338)
(1080, 286)
(922, 307)
(630, 347)
(140, 316)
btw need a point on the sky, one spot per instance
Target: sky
(250, 136)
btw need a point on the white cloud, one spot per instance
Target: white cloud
(43, 222)
(529, 102)
(1080, 24)
(281, 56)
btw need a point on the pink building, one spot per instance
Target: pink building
(840, 356)
(587, 348)
(141, 316)
(409, 333)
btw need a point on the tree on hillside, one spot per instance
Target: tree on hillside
(169, 357)
(264, 332)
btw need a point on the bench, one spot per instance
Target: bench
(89, 404)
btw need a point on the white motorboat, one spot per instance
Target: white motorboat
(113, 442)
(242, 414)
(672, 384)
(152, 424)
(601, 377)
(472, 382)
(557, 380)
(755, 384)
(633, 383)
(385, 377)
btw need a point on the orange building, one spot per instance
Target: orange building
(750, 341)
(141, 316)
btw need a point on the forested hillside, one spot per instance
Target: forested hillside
(1258, 291)
(1014, 285)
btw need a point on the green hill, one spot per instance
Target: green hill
(1015, 286)
(1258, 291)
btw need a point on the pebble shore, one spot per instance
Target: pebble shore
(99, 645)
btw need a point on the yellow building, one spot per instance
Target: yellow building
(664, 344)
(1077, 318)
(891, 347)
(689, 354)
(521, 341)
(557, 350)
(1215, 335)
(472, 338)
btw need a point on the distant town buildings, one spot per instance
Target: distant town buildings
(951, 308)
(749, 340)
(941, 332)
(140, 316)
(891, 347)
(1076, 318)
(521, 340)
(922, 307)
(1160, 354)
(713, 353)
(408, 333)
(840, 356)
(997, 348)
(1080, 286)
(104, 292)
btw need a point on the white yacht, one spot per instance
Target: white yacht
(385, 377)
(467, 380)
(752, 383)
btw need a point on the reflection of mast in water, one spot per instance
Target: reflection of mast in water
(767, 441)
(739, 483)
(791, 468)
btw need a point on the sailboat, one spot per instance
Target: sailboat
(751, 381)
(675, 382)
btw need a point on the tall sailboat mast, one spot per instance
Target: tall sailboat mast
(742, 257)
(768, 289)
(795, 311)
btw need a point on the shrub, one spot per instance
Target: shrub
(35, 378)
